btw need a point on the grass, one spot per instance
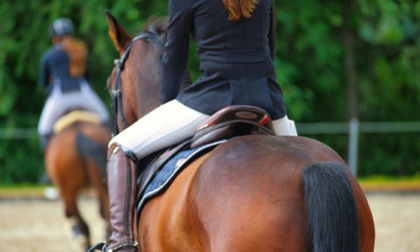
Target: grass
(21, 190)
(384, 183)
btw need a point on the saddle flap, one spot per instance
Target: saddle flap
(149, 172)
(161, 173)
(232, 121)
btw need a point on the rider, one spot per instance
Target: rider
(63, 76)
(236, 42)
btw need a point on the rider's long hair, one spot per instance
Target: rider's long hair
(240, 8)
(77, 53)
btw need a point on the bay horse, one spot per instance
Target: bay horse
(75, 159)
(252, 193)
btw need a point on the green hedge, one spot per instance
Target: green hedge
(309, 64)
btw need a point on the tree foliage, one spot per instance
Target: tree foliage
(309, 64)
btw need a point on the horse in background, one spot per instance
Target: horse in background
(252, 193)
(75, 159)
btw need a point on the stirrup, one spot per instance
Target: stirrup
(98, 246)
(103, 246)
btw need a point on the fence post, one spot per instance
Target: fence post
(353, 145)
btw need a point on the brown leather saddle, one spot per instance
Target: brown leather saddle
(229, 122)
(233, 121)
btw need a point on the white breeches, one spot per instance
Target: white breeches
(285, 127)
(169, 124)
(59, 103)
(166, 125)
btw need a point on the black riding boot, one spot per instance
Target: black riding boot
(121, 188)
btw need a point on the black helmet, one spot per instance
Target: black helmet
(61, 27)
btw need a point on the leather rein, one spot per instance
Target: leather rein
(116, 95)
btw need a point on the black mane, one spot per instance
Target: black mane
(157, 28)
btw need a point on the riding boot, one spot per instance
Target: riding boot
(122, 187)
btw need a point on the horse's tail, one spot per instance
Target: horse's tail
(330, 208)
(89, 149)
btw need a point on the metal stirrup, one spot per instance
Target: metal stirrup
(125, 245)
(103, 246)
(99, 246)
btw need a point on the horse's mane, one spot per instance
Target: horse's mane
(157, 28)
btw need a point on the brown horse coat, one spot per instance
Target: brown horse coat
(72, 172)
(241, 202)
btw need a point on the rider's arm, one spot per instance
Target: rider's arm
(272, 31)
(44, 73)
(174, 59)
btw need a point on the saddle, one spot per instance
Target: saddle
(233, 121)
(229, 122)
(73, 117)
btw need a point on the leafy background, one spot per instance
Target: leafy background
(335, 60)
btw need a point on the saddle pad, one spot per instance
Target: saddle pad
(75, 116)
(170, 170)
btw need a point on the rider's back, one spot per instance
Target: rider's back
(65, 64)
(235, 57)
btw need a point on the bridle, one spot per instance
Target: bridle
(116, 94)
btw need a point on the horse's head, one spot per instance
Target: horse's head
(135, 80)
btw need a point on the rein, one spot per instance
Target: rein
(116, 94)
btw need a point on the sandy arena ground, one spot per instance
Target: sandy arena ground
(39, 225)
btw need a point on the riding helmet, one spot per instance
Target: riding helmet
(61, 27)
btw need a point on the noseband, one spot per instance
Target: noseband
(116, 94)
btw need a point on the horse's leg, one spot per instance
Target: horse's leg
(98, 181)
(66, 169)
(78, 227)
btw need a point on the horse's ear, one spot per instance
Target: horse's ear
(117, 33)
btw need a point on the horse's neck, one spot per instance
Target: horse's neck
(148, 82)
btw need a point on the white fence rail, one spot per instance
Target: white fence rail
(18, 133)
(352, 128)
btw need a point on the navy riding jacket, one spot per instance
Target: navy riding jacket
(236, 58)
(55, 70)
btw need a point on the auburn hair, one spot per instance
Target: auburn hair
(77, 52)
(240, 8)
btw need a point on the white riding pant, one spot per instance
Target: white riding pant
(171, 123)
(59, 103)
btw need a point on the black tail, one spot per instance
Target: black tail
(88, 148)
(330, 208)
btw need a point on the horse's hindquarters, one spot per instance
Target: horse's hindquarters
(246, 195)
(249, 197)
(238, 199)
